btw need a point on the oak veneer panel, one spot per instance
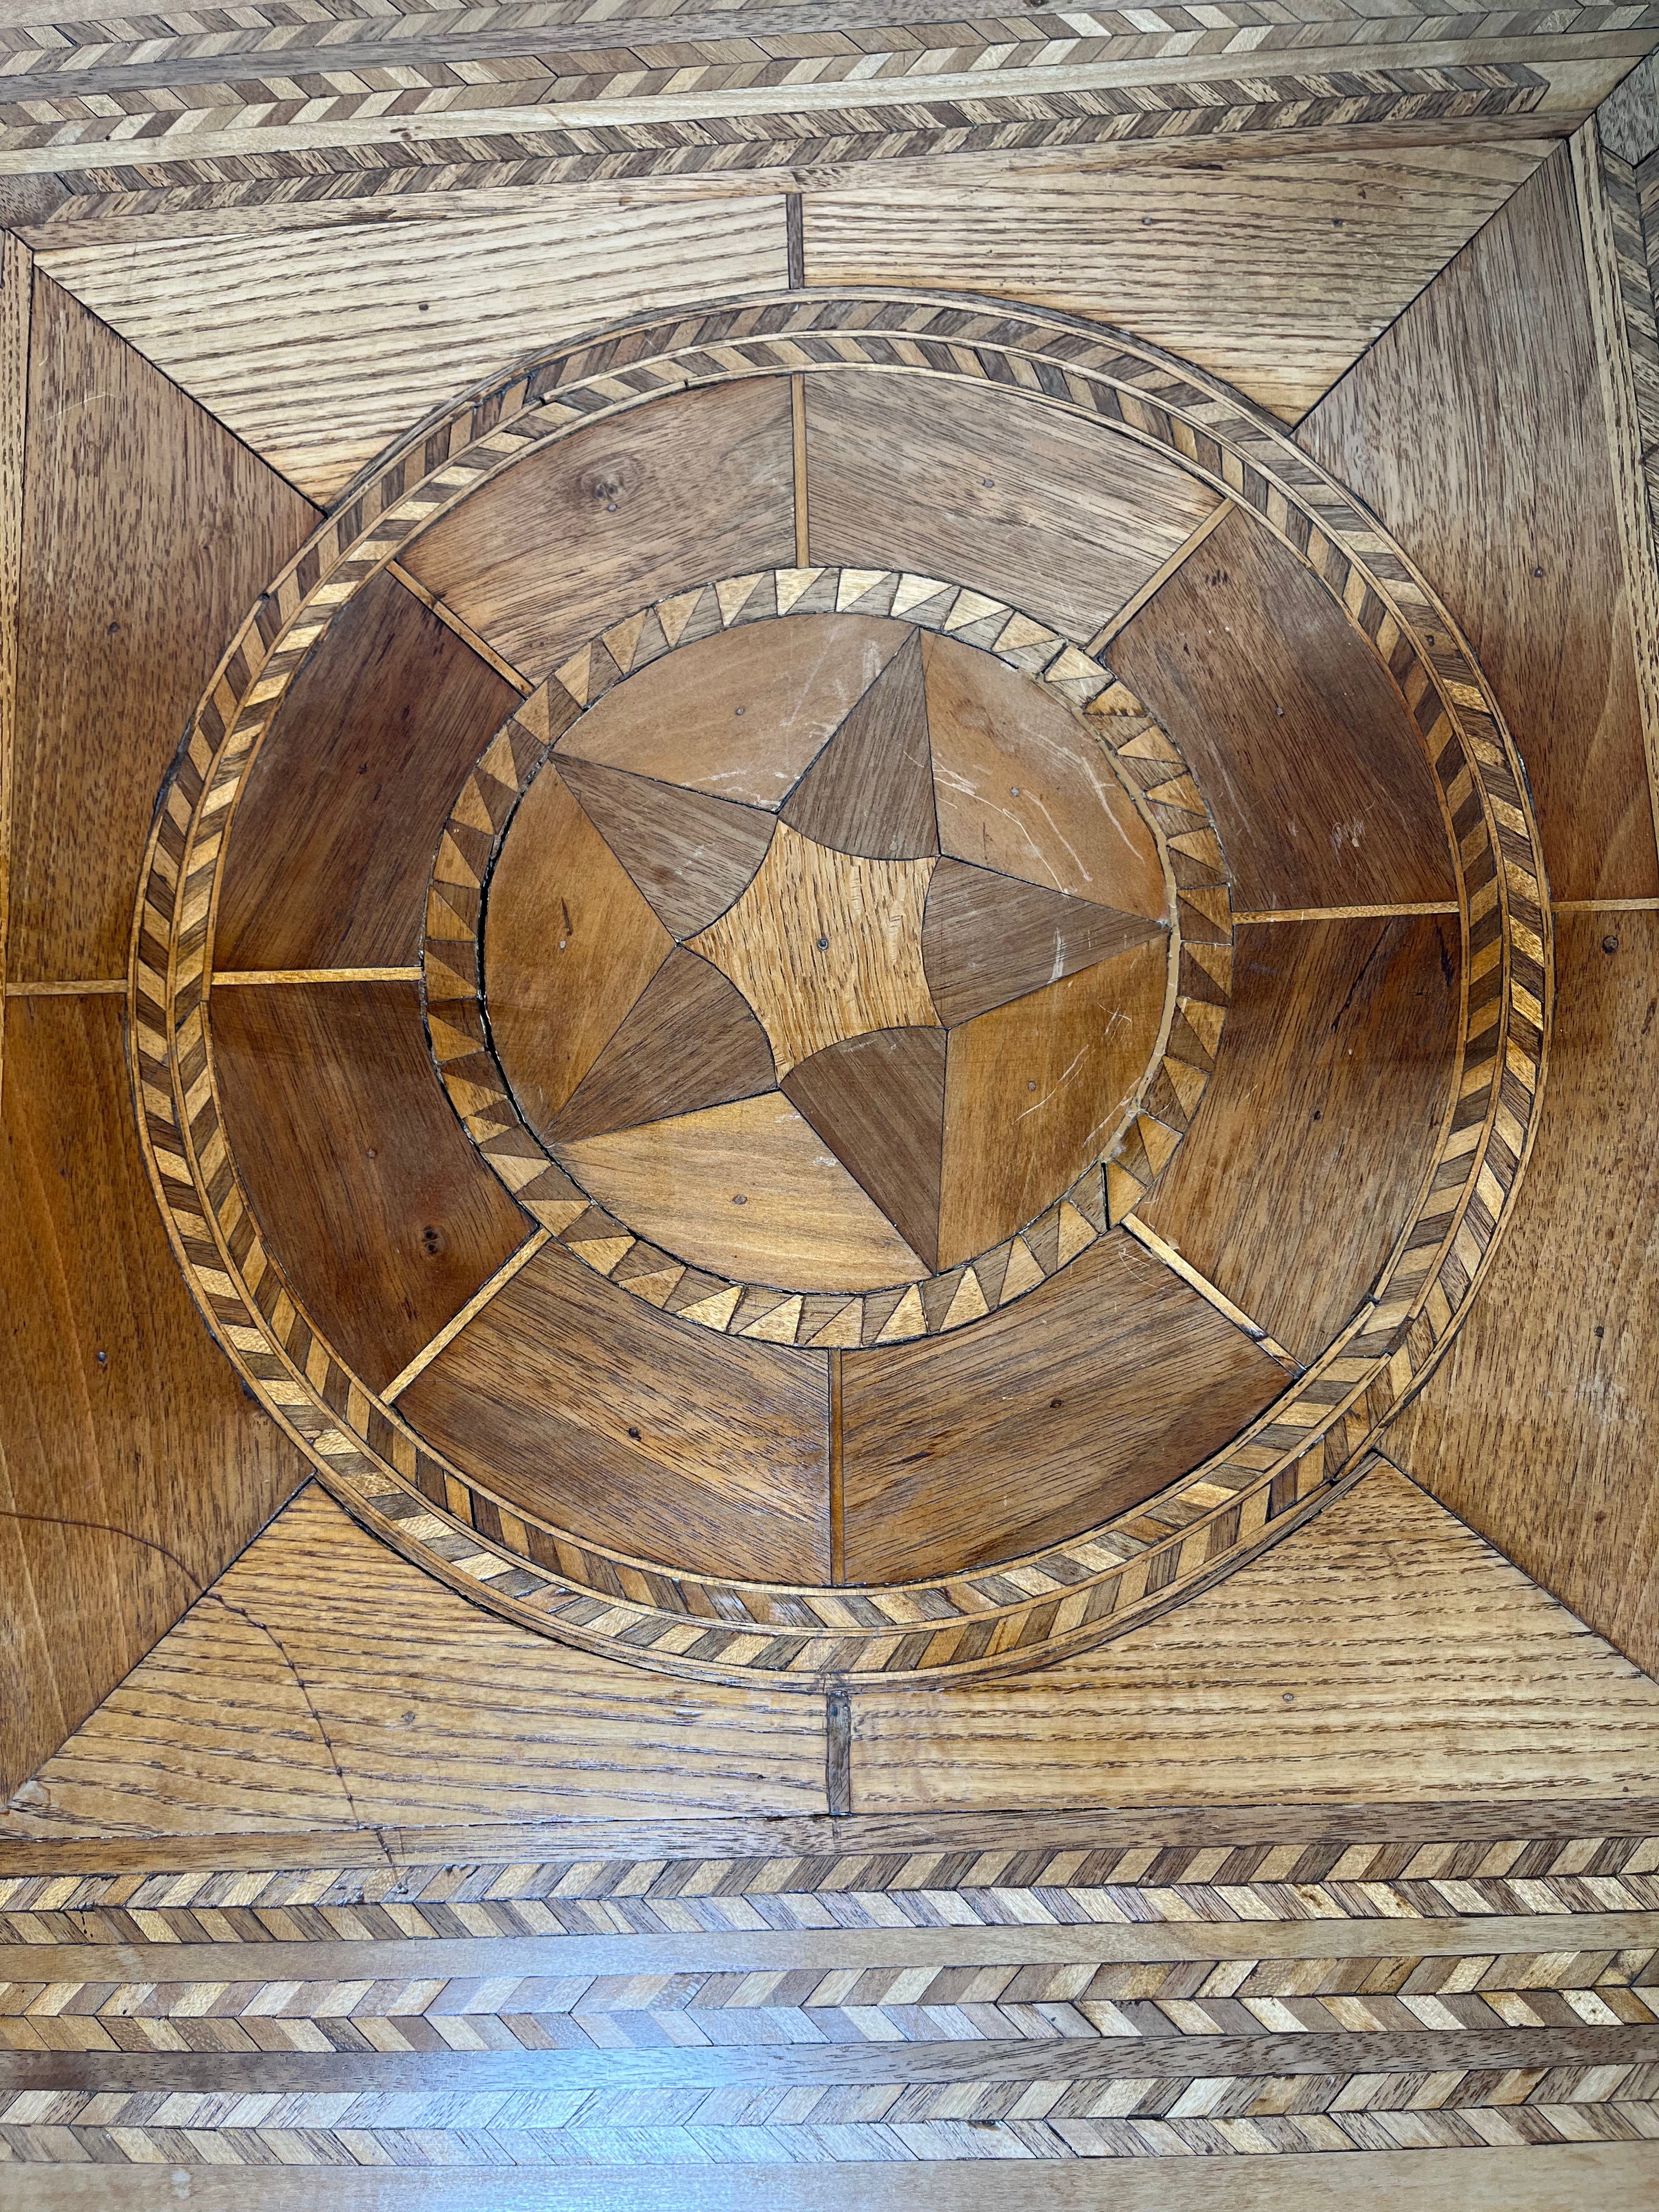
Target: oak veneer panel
(132, 1464)
(1313, 770)
(687, 1040)
(325, 1684)
(1275, 273)
(871, 790)
(1541, 1427)
(1319, 1123)
(1475, 430)
(1382, 1653)
(986, 939)
(1070, 1404)
(540, 1397)
(370, 1196)
(690, 854)
(678, 492)
(878, 1101)
(986, 488)
(333, 835)
(325, 344)
(149, 533)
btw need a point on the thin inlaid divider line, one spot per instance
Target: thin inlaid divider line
(1347, 913)
(235, 979)
(474, 1306)
(16, 294)
(1189, 1275)
(837, 1478)
(1605, 906)
(794, 240)
(447, 615)
(798, 433)
(86, 987)
(1160, 576)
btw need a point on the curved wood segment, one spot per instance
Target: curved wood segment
(691, 855)
(878, 1101)
(741, 714)
(575, 1401)
(986, 939)
(382, 1216)
(871, 790)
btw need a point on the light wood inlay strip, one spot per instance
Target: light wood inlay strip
(1605, 906)
(234, 978)
(837, 1489)
(86, 987)
(798, 426)
(16, 287)
(1189, 1275)
(451, 620)
(474, 1306)
(1155, 583)
(1346, 912)
(1624, 435)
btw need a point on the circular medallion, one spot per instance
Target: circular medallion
(822, 953)
(755, 942)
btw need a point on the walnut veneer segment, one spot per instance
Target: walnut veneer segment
(149, 533)
(579, 535)
(1081, 1398)
(377, 1208)
(333, 836)
(1311, 766)
(1539, 1426)
(1475, 428)
(1331, 1083)
(659, 1438)
(132, 1464)
(1012, 498)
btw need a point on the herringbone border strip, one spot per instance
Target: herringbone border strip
(1297, 1454)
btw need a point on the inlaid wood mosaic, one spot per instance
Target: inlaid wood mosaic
(1302, 1449)
(863, 946)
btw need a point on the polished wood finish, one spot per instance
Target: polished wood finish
(878, 1101)
(17, 293)
(1382, 1652)
(1034, 1090)
(1537, 1428)
(986, 940)
(1312, 769)
(149, 533)
(337, 825)
(1332, 1082)
(378, 1211)
(690, 854)
(871, 790)
(569, 945)
(1142, 248)
(579, 537)
(688, 1041)
(1518, 532)
(742, 715)
(132, 1466)
(907, 473)
(750, 1189)
(434, 305)
(1084, 1397)
(1023, 788)
(663, 1440)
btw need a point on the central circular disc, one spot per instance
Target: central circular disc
(826, 952)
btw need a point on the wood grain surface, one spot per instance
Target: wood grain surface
(334, 833)
(750, 1190)
(1024, 786)
(1519, 533)
(1088, 1394)
(132, 1464)
(878, 1101)
(149, 533)
(1382, 1651)
(986, 939)
(1034, 1089)
(329, 342)
(688, 1041)
(871, 790)
(658, 1437)
(1014, 499)
(1539, 1426)
(1332, 1077)
(1321, 251)
(324, 1683)
(690, 854)
(692, 487)
(741, 715)
(1313, 769)
(569, 943)
(375, 1206)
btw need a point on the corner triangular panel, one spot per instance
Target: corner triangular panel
(988, 938)
(871, 790)
(690, 854)
(878, 1101)
(690, 1041)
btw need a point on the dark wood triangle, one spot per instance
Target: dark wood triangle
(988, 938)
(878, 1101)
(690, 854)
(691, 1040)
(871, 790)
